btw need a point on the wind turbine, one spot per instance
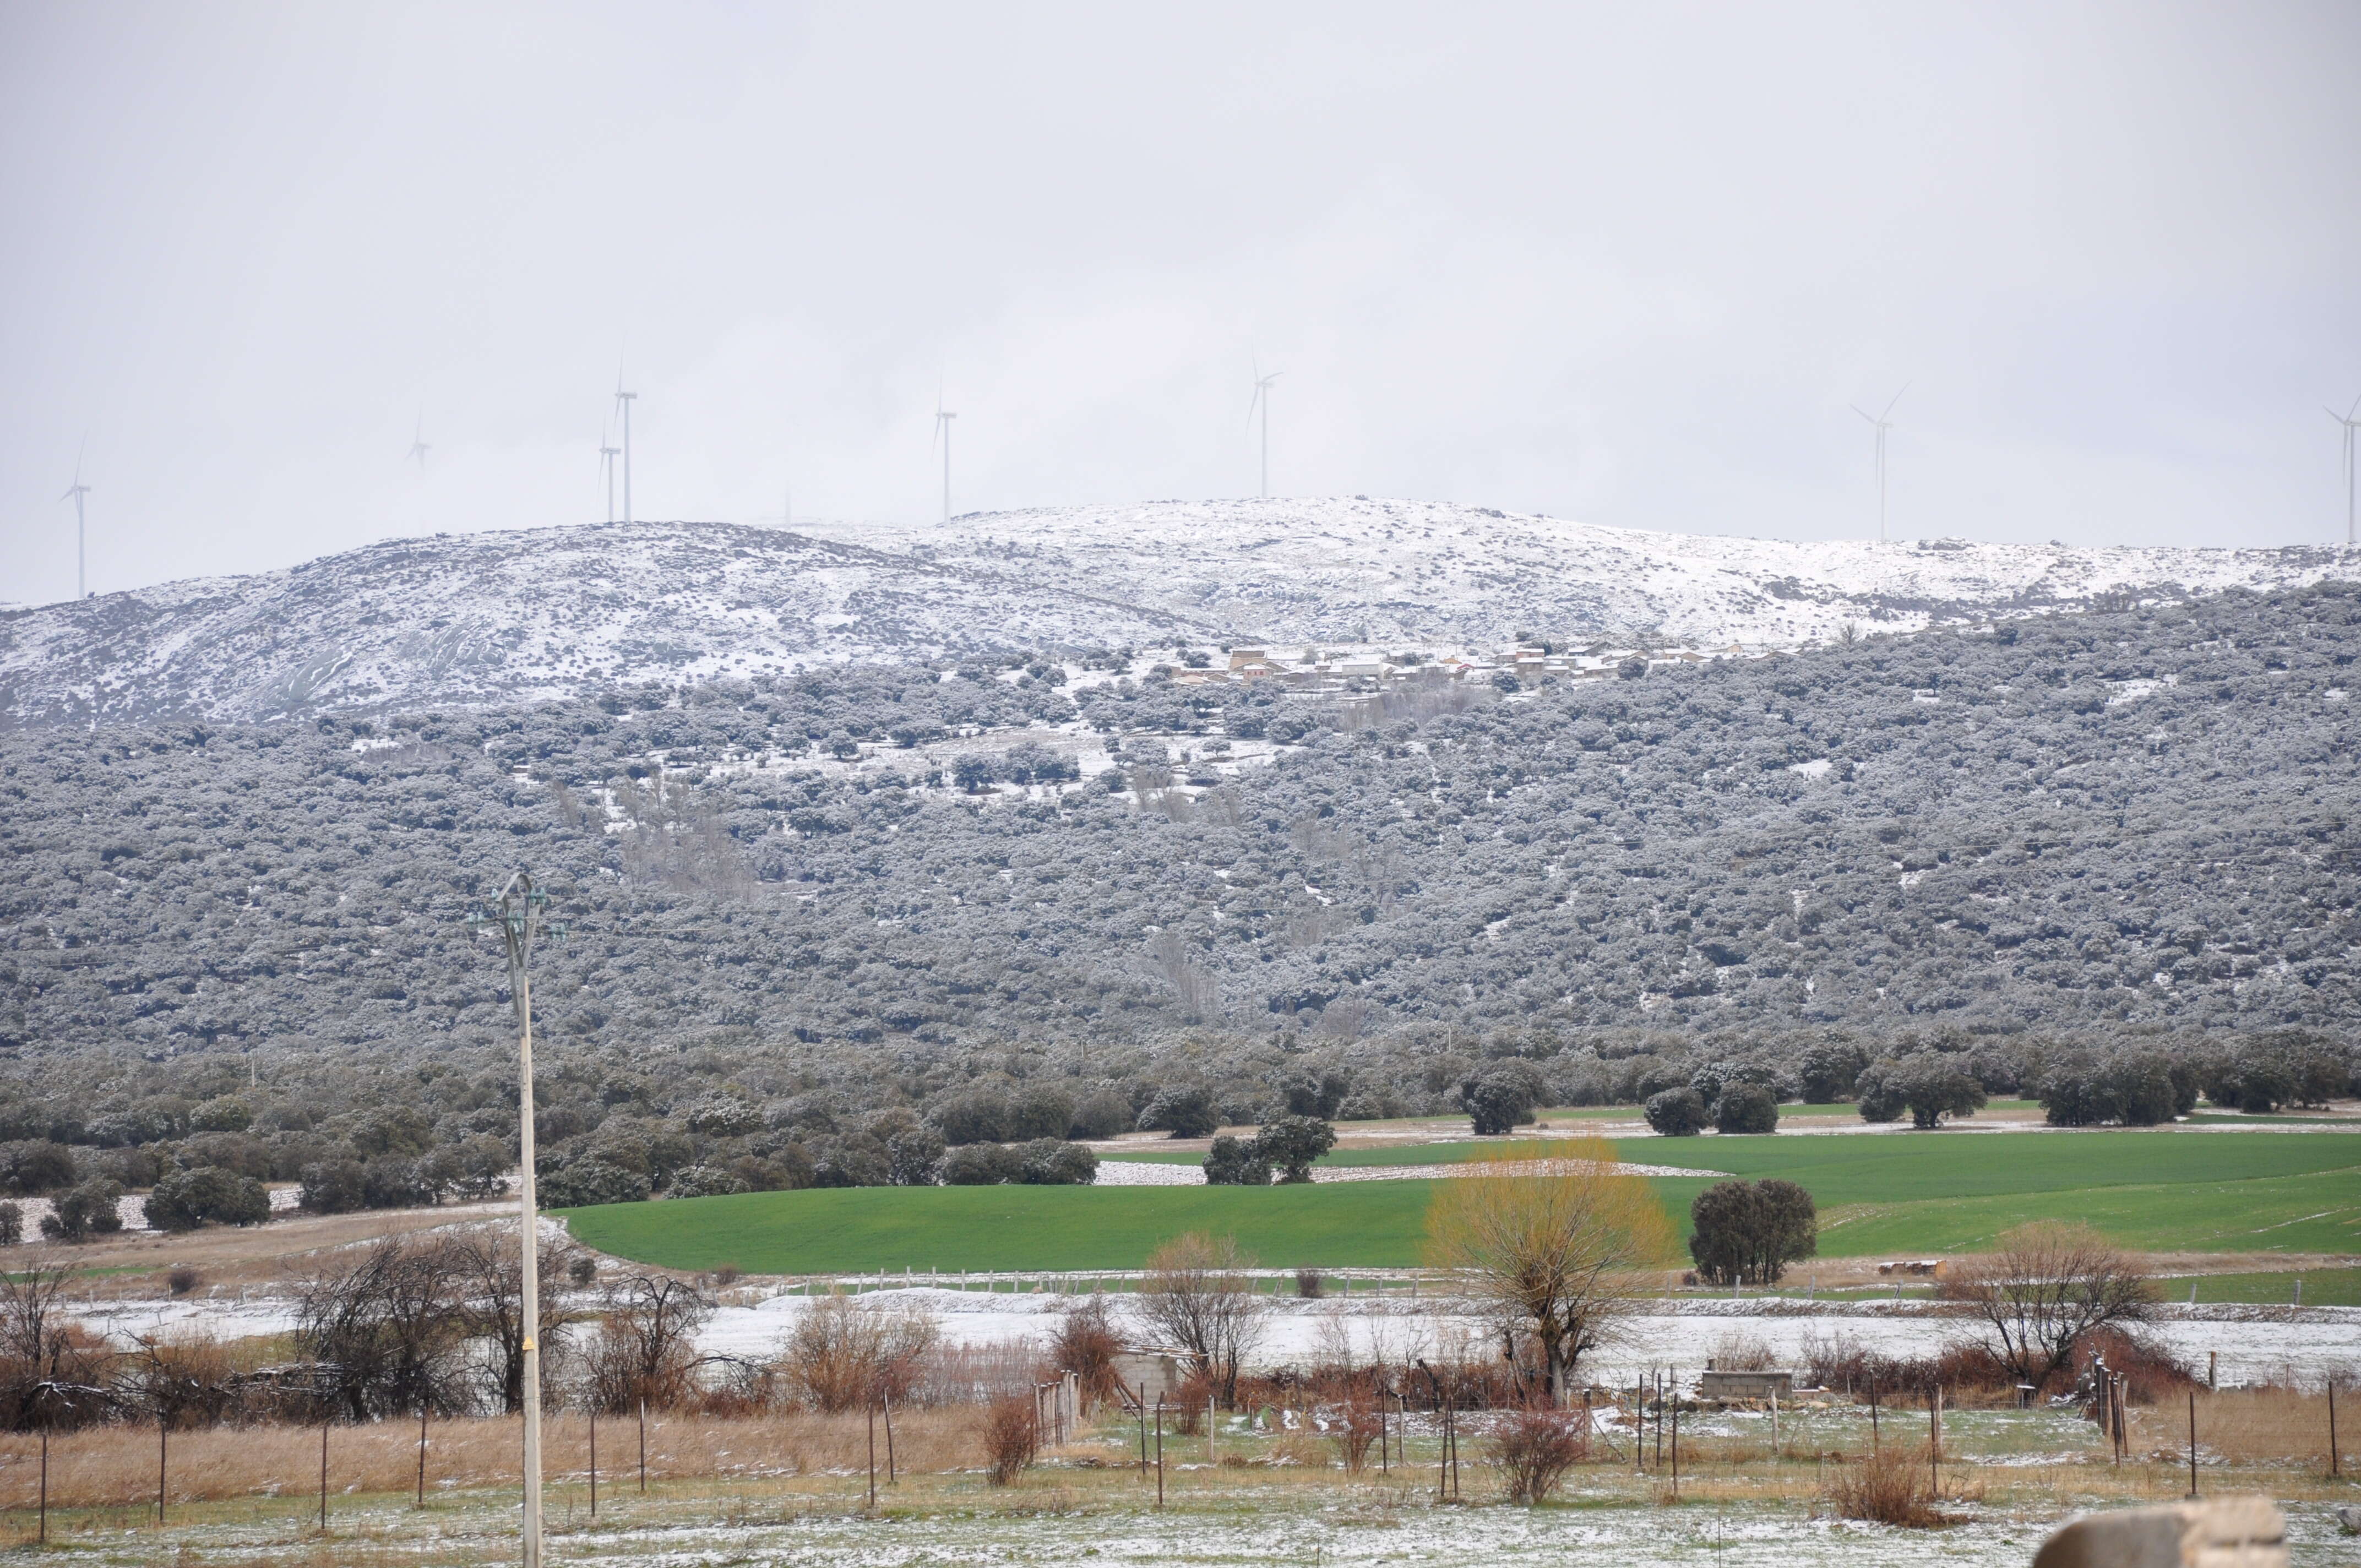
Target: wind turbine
(943, 418)
(623, 401)
(418, 443)
(2350, 425)
(75, 492)
(1880, 423)
(607, 455)
(1262, 400)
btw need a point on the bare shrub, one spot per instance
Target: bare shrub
(1534, 1449)
(181, 1278)
(972, 1374)
(848, 1351)
(1889, 1485)
(1352, 1432)
(2049, 1284)
(184, 1383)
(1011, 1436)
(2149, 1369)
(1197, 1293)
(53, 1373)
(726, 1276)
(1086, 1345)
(1842, 1364)
(733, 1387)
(1186, 1414)
(644, 1349)
(1308, 1283)
(1735, 1351)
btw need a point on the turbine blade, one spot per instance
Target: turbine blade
(1897, 397)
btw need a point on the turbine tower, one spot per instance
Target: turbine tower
(2350, 425)
(418, 443)
(1881, 423)
(1262, 400)
(607, 455)
(75, 492)
(943, 418)
(623, 401)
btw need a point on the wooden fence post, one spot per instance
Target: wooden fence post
(1935, 1442)
(644, 1444)
(421, 1454)
(594, 1459)
(1677, 1443)
(323, 1476)
(2192, 1442)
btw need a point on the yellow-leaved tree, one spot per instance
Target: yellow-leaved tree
(1553, 1234)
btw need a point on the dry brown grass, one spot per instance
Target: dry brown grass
(116, 1466)
(2248, 1426)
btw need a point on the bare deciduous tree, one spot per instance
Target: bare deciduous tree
(487, 1265)
(386, 1334)
(1197, 1293)
(644, 1349)
(52, 1373)
(2049, 1284)
(1549, 1232)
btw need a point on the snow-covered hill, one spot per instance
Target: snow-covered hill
(484, 617)
(1355, 569)
(502, 617)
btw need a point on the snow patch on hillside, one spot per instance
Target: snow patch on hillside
(548, 613)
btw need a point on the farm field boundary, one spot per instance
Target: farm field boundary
(1885, 1196)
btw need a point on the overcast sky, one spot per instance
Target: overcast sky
(1623, 263)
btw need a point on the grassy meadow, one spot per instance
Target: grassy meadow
(1878, 1195)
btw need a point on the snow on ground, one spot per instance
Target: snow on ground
(1402, 1530)
(132, 1208)
(2252, 1343)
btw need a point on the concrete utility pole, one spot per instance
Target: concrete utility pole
(524, 911)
